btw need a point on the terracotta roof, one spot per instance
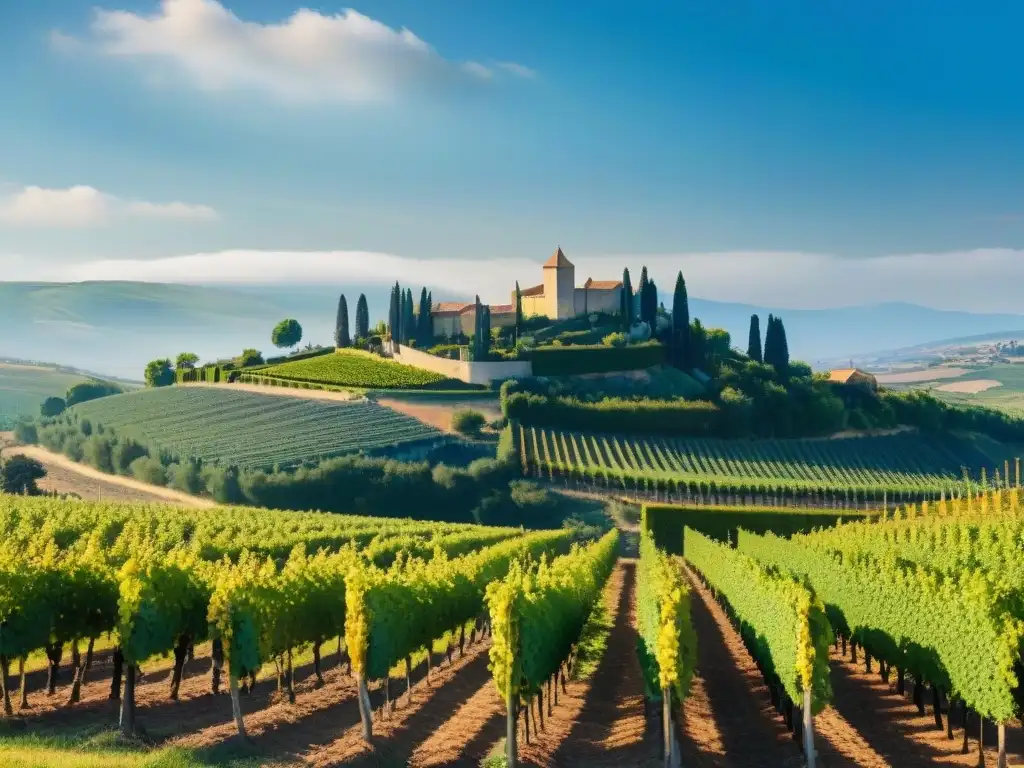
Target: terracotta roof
(537, 290)
(500, 309)
(450, 307)
(602, 285)
(558, 260)
(843, 375)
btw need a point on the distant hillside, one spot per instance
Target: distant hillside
(116, 327)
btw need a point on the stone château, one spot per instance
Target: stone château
(557, 297)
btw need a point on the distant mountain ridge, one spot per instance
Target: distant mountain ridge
(116, 327)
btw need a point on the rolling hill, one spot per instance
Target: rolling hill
(116, 327)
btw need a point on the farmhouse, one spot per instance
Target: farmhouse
(557, 297)
(853, 376)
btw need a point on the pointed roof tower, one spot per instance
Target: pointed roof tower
(558, 260)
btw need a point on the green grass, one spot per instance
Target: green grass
(901, 461)
(251, 430)
(105, 749)
(1009, 397)
(354, 368)
(23, 388)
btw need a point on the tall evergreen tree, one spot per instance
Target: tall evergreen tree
(754, 342)
(519, 312)
(698, 344)
(641, 291)
(680, 324)
(478, 320)
(341, 337)
(422, 320)
(649, 305)
(362, 318)
(409, 325)
(627, 300)
(783, 348)
(395, 313)
(485, 331)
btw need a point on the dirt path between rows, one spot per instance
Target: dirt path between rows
(304, 394)
(67, 476)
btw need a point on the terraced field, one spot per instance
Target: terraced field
(251, 430)
(357, 369)
(873, 464)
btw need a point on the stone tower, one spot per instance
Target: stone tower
(559, 286)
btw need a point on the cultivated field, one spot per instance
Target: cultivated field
(23, 388)
(927, 374)
(218, 424)
(260, 647)
(362, 370)
(890, 463)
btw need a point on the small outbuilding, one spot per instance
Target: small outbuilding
(854, 377)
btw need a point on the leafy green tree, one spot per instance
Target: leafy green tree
(754, 341)
(52, 406)
(341, 335)
(18, 475)
(250, 357)
(159, 373)
(362, 318)
(698, 345)
(91, 390)
(627, 299)
(186, 361)
(680, 324)
(287, 333)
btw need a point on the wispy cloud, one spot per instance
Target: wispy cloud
(981, 280)
(308, 57)
(84, 206)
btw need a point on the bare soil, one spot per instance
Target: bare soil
(306, 394)
(970, 387)
(66, 476)
(438, 414)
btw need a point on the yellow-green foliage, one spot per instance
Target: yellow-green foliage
(782, 621)
(393, 613)
(538, 611)
(668, 643)
(960, 631)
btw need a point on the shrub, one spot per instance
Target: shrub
(25, 432)
(90, 390)
(52, 406)
(468, 422)
(148, 469)
(125, 452)
(250, 357)
(614, 340)
(574, 360)
(613, 414)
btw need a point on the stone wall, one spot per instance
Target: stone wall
(469, 372)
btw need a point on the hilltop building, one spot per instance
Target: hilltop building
(853, 376)
(557, 297)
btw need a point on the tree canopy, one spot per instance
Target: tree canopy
(754, 340)
(159, 373)
(92, 390)
(19, 474)
(362, 318)
(287, 333)
(250, 357)
(680, 324)
(186, 361)
(627, 299)
(341, 335)
(52, 406)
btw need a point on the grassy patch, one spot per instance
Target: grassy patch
(354, 368)
(105, 749)
(594, 638)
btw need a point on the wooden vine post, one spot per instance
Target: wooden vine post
(1001, 760)
(511, 733)
(365, 709)
(808, 729)
(236, 703)
(666, 725)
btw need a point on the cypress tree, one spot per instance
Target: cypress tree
(649, 305)
(641, 291)
(680, 324)
(478, 320)
(754, 342)
(627, 299)
(485, 331)
(783, 348)
(394, 313)
(698, 344)
(400, 321)
(409, 325)
(768, 354)
(422, 320)
(341, 337)
(519, 312)
(362, 318)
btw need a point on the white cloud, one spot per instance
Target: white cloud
(983, 280)
(84, 206)
(307, 57)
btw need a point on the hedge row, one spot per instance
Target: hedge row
(667, 417)
(666, 523)
(576, 360)
(212, 374)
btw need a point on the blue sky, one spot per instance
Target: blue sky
(772, 131)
